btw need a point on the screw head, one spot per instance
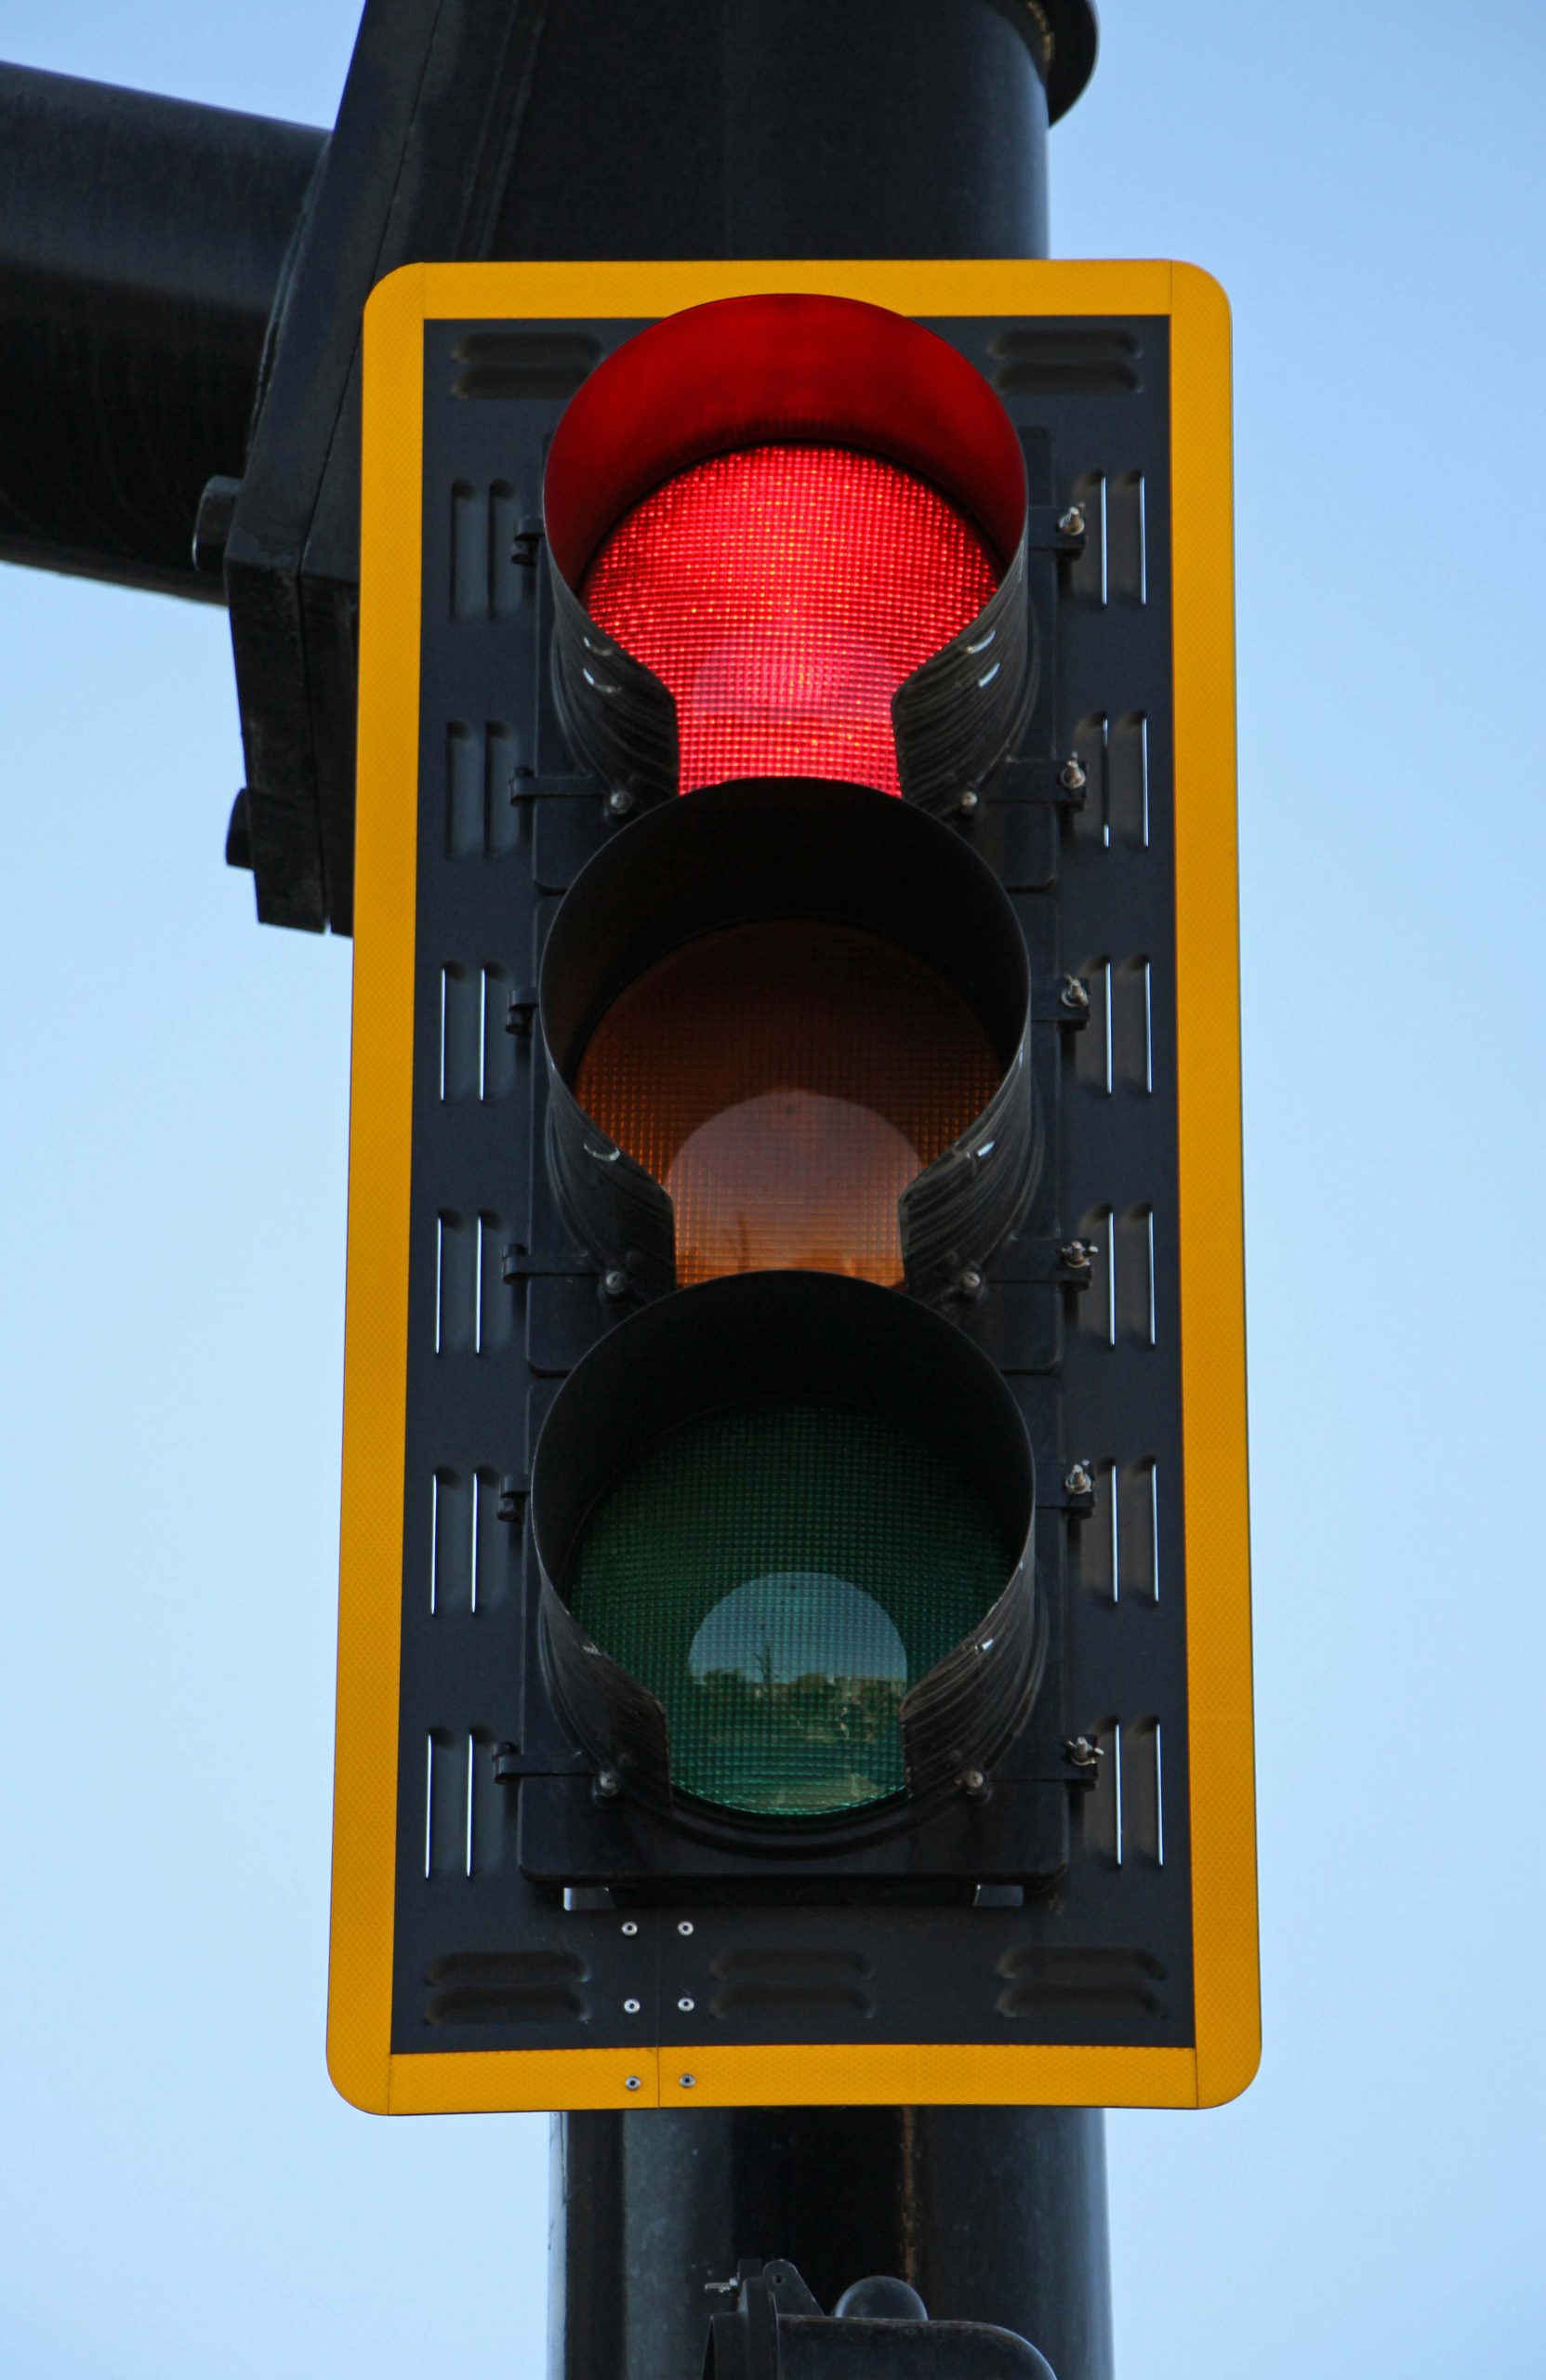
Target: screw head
(969, 1281)
(1071, 776)
(608, 1785)
(1074, 1255)
(686, 2004)
(619, 802)
(973, 1783)
(1079, 1479)
(631, 1925)
(685, 1926)
(630, 2007)
(632, 2083)
(687, 2081)
(969, 802)
(615, 1281)
(1072, 521)
(1073, 994)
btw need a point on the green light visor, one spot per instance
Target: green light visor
(775, 1580)
(777, 1576)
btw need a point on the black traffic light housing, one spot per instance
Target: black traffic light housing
(1061, 1907)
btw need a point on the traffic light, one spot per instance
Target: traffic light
(794, 1637)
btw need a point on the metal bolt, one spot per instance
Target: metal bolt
(685, 1926)
(687, 2081)
(1079, 1479)
(969, 802)
(1075, 1255)
(630, 2007)
(1084, 1751)
(973, 1784)
(686, 2005)
(969, 1281)
(619, 802)
(1071, 776)
(1072, 521)
(632, 2083)
(608, 1785)
(615, 1281)
(1073, 994)
(631, 1925)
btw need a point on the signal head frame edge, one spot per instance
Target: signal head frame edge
(514, 1925)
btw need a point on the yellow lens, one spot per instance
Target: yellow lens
(784, 1083)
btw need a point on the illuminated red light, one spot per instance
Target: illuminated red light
(783, 594)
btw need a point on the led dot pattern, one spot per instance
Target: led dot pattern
(786, 1082)
(783, 594)
(777, 1576)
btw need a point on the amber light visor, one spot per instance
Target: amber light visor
(788, 535)
(785, 1027)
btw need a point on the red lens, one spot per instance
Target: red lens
(783, 594)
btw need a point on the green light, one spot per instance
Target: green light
(778, 1576)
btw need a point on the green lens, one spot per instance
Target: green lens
(778, 1576)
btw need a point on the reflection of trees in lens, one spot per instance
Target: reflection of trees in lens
(800, 1659)
(790, 1624)
(810, 1745)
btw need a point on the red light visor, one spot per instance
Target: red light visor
(766, 518)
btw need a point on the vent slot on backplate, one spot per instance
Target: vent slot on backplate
(506, 1988)
(781, 1983)
(523, 363)
(1047, 362)
(1038, 1979)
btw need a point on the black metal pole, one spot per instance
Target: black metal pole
(994, 2214)
(788, 128)
(142, 246)
(887, 128)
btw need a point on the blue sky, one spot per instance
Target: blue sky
(181, 2192)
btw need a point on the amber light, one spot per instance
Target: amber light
(783, 594)
(786, 1082)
